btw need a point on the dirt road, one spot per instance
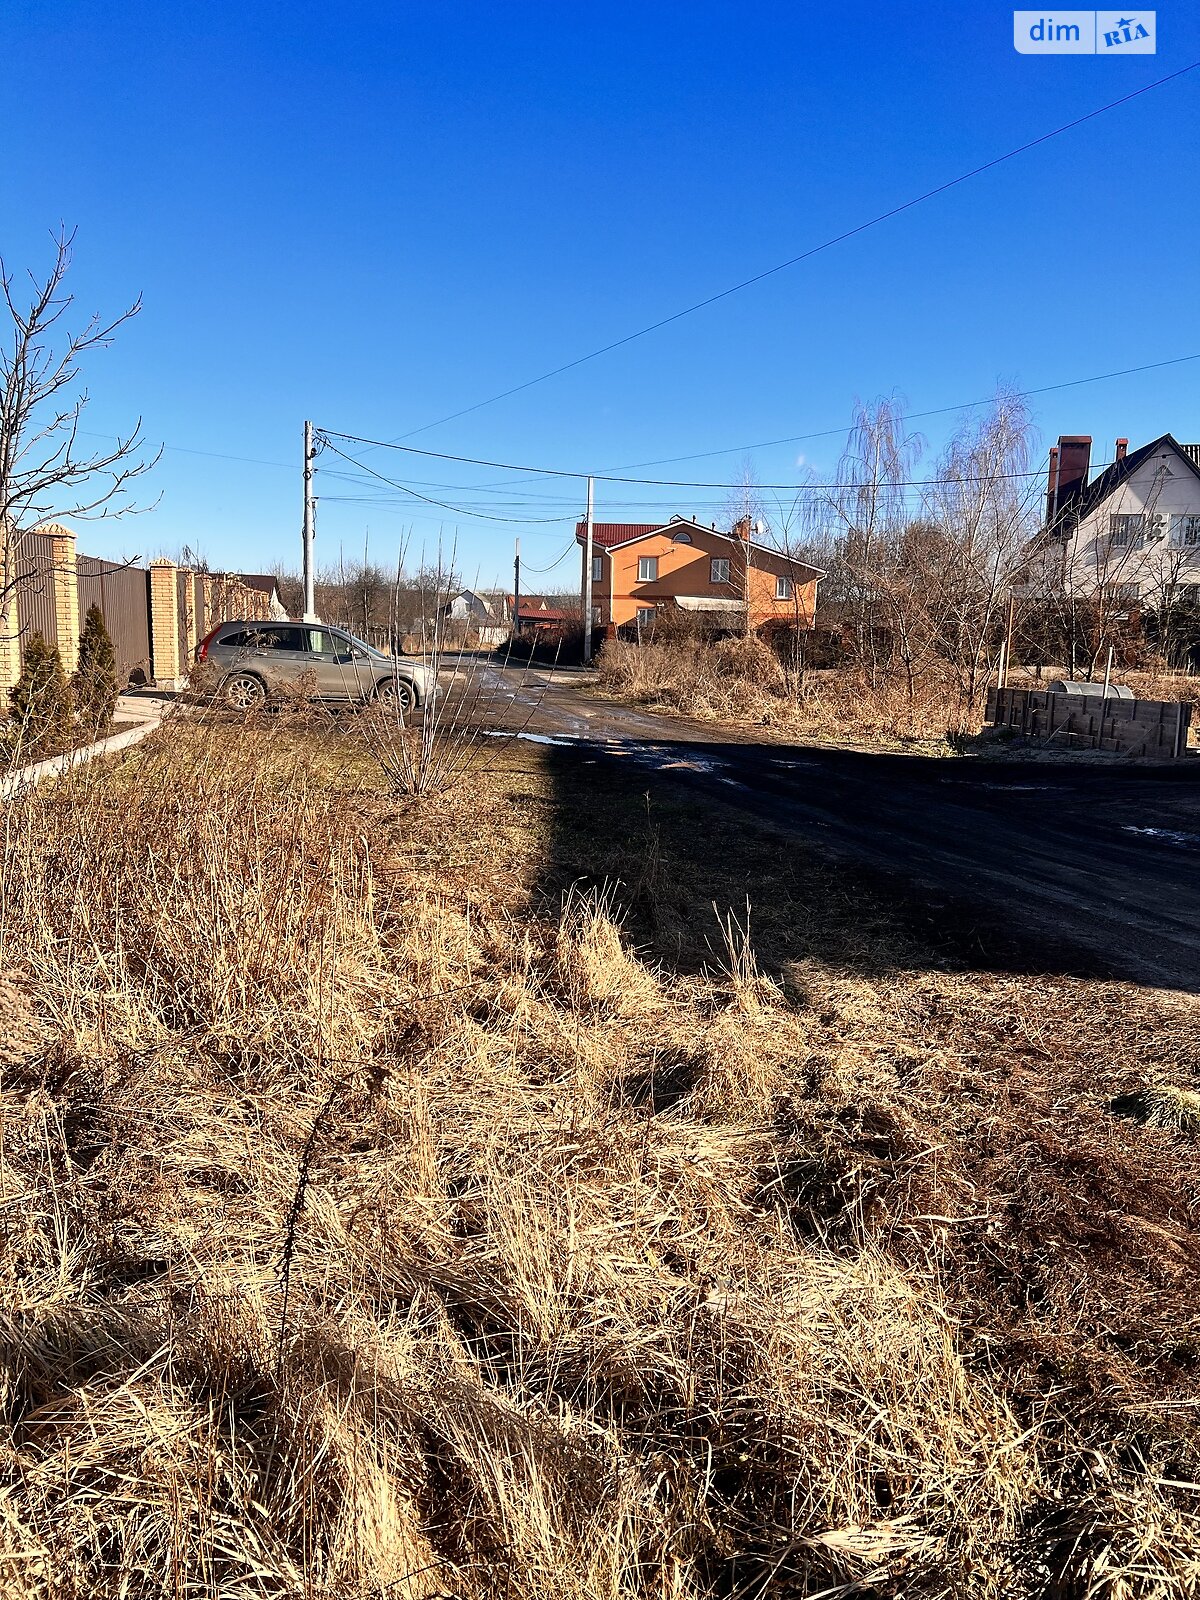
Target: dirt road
(1099, 864)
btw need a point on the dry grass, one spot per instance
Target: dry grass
(380, 1222)
(743, 681)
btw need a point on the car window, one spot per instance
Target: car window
(319, 642)
(273, 637)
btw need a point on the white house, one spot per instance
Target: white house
(268, 585)
(478, 605)
(1131, 535)
(484, 612)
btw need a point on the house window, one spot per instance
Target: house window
(718, 569)
(1122, 595)
(647, 569)
(783, 588)
(1185, 531)
(597, 568)
(1127, 532)
(596, 617)
(681, 538)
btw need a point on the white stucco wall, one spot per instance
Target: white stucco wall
(1092, 560)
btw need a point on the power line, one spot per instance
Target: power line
(211, 455)
(799, 438)
(699, 455)
(558, 560)
(458, 510)
(914, 416)
(652, 483)
(804, 255)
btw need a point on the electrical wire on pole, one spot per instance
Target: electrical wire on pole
(587, 578)
(309, 529)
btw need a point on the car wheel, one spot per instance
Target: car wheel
(394, 695)
(244, 692)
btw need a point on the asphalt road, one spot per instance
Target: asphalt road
(1097, 864)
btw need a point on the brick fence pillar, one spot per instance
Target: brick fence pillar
(164, 625)
(192, 638)
(65, 577)
(10, 647)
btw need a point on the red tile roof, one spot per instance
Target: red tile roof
(541, 614)
(605, 534)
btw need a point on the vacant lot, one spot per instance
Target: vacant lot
(743, 683)
(481, 1198)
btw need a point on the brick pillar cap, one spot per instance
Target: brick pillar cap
(162, 561)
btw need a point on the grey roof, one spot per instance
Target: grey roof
(1084, 499)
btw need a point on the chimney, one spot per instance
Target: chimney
(1122, 447)
(1052, 485)
(1069, 464)
(741, 529)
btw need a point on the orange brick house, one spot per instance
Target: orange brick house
(685, 566)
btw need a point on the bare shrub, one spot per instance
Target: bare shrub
(698, 677)
(743, 680)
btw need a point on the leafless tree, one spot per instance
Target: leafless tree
(45, 469)
(920, 588)
(865, 515)
(744, 509)
(799, 531)
(982, 503)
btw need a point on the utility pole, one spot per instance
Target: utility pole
(747, 629)
(1006, 644)
(310, 577)
(516, 587)
(587, 584)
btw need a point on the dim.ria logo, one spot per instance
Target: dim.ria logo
(1084, 33)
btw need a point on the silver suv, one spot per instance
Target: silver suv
(253, 660)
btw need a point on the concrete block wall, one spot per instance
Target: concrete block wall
(1155, 728)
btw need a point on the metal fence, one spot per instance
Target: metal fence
(56, 586)
(123, 595)
(35, 569)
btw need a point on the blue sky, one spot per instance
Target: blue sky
(375, 215)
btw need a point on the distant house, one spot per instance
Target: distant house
(482, 612)
(1130, 536)
(535, 614)
(473, 605)
(640, 569)
(266, 585)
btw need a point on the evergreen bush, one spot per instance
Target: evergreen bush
(95, 683)
(40, 703)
